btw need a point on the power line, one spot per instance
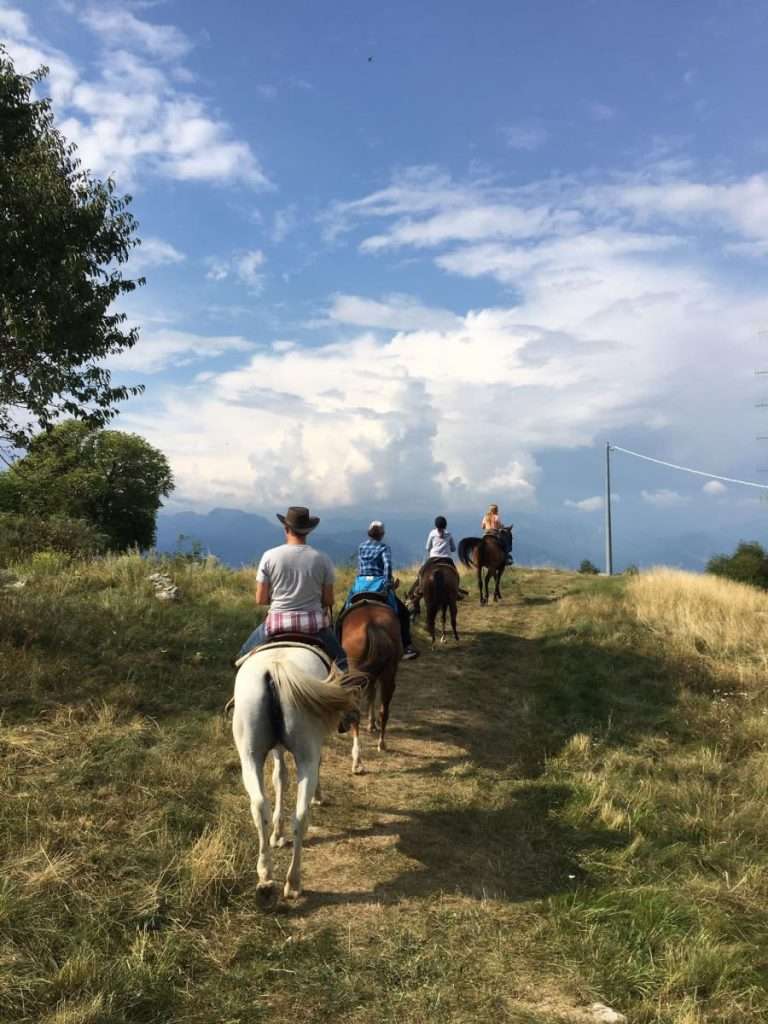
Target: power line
(687, 469)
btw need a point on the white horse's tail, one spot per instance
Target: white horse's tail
(327, 698)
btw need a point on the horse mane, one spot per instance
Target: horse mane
(324, 698)
(466, 546)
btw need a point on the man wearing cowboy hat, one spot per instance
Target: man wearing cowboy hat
(296, 581)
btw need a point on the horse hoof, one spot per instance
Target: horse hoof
(266, 894)
(290, 892)
(318, 801)
(357, 769)
(382, 745)
(443, 640)
(277, 841)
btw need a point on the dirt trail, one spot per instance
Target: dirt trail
(452, 812)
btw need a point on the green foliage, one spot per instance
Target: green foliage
(63, 236)
(632, 570)
(22, 536)
(112, 480)
(748, 564)
(588, 568)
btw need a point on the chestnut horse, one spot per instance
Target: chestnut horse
(438, 584)
(370, 635)
(485, 553)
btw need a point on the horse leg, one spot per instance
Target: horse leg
(497, 591)
(480, 581)
(307, 771)
(253, 780)
(279, 782)
(373, 727)
(442, 634)
(357, 763)
(431, 616)
(387, 685)
(453, 619)
(317, 799)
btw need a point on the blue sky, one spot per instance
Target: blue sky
(428, 256)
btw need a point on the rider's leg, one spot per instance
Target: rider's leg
(258, 636)
(334, 648)
(405, 629)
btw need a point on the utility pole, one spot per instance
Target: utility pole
(608, 535)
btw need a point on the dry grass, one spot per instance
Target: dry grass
(569, 812)
(722, 621)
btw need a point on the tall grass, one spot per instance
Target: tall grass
(708, 616)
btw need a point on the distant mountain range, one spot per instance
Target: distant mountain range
(239, 538)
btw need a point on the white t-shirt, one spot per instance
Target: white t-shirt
(296, 574)
(440, 547)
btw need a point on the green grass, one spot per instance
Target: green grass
(571, 811)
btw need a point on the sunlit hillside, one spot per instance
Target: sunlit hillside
(572, 811)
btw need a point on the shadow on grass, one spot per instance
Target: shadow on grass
(519, 851)
(512, 706)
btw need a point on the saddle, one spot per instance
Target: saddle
(359, 601)
(306, 640)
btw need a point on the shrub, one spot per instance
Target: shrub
(748, 564)
(588, 568)
(22, 536)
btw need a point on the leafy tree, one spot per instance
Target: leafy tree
(748, 564)
(588, 568)
(112, 480)
(63, 236)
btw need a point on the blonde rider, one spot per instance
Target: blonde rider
(492, 524)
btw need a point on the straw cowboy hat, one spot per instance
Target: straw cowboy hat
(298, 519)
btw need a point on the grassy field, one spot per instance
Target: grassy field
(573, 808)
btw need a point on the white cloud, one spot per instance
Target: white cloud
(525, 135)
(154, 252)
(715, 488)
(615, 328)
(395, 312)
(134, 118)
(594, 504)
(664, 498)
(246, 266)
(164, 348)
(119, 28)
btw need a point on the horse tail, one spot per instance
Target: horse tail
(379, 650)
(466, 548)
(326, 699)
(441, 595)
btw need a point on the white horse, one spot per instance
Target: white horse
(285, 699)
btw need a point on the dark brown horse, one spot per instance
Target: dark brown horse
(370, 634)
(438, 585)
(485, 553)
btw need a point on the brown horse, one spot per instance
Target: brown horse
(438, 584)
(370, 635)
(485, 553)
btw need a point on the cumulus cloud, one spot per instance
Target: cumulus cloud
(135, 116)
(606, 325)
